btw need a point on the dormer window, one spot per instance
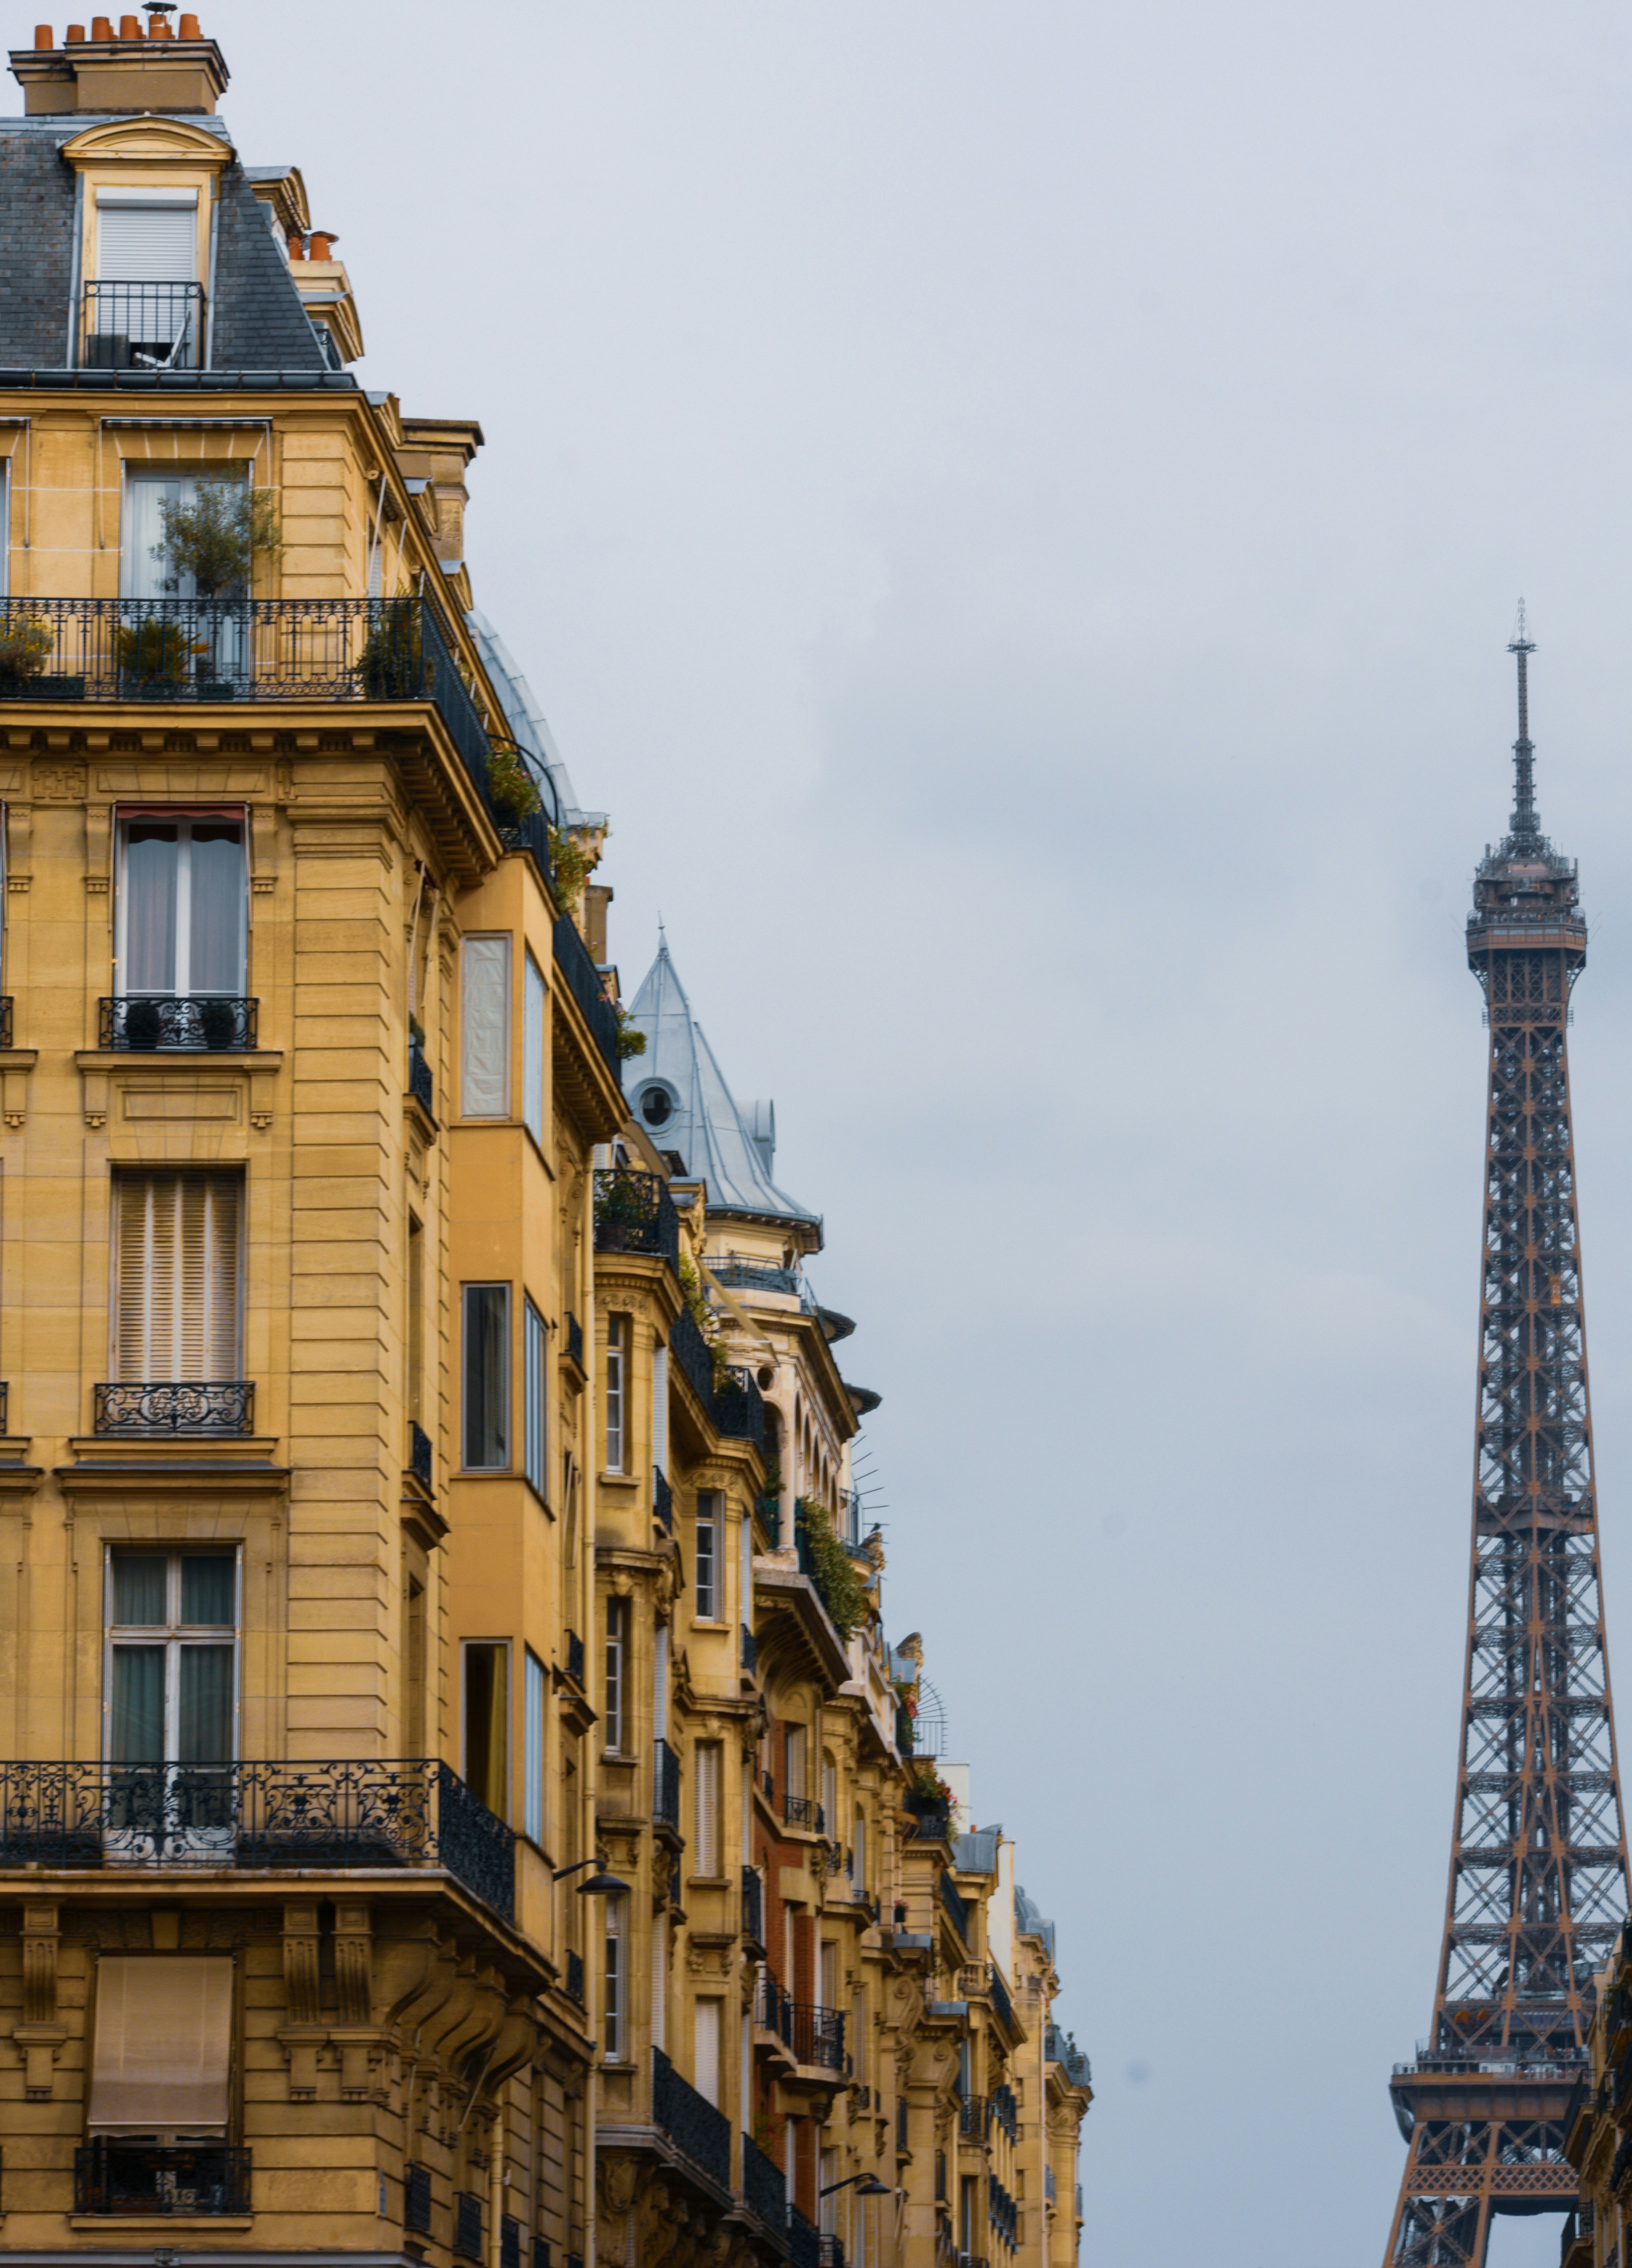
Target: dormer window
(144, 304)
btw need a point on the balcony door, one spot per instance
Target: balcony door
(171, 1703)
(172, 639)
(182, 911)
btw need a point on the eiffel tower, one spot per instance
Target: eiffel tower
(1538, 1858)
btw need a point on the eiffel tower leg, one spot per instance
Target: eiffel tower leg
(1443, 2218)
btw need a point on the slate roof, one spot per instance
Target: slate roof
(705, 1126)
(260, 324)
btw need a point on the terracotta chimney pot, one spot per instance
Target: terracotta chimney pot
(74, 34)
(129, 27)
(296, 245)
(189, 28)
(101, 27)
(324, 245)
(42, 37)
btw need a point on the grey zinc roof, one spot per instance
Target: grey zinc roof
(705, 1127)
(260, 324)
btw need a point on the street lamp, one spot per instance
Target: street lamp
(864, 2185)
(599, 1885)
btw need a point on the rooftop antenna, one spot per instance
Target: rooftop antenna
(1525, 825)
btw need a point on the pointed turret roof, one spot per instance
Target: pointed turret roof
(678, 1093)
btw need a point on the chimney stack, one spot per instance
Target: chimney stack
(165, 68)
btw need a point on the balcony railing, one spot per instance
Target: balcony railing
(753, 1906)
(765, 2188)
(739, 1410)
(227, 1406)
(750, 1646)
(194, 2179)
(1006, 2110)
(804, 2246)
(1000, 2000)
(815, 2034)
(829, 2252)
(972, 2118)
(421, 1085)
(466, 2224)
(575, 1658)
(662, 1500)
(690, 2122)
(327, 650)
(154, 1023)
(583, 982)
(419, 1453)
(690, 1350)
(958, 1912)
(415, 1813)
(1063, 2050)
(5, 1020)
(804, 1811)
(509, 2242)
(416, 2199)
(575, 1976)
(635, 1213)
(142, 326)
(665, 1784)
(574, 1340)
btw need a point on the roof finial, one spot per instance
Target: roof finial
(1524, 753)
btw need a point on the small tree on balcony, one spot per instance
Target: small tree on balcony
(218, 536)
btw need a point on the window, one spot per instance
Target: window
(172, 1676)
(858, 1852)
(143, 303)
(533, 1749)
(659, 1682)
(487, 1722)
(416, 1320)
(145, 573)
(659, 1981)
(828, 2206)
(660, 1407)
(533, 1050)
(535, 1385)
(183, 906)
(708, 1528)
(176, 1255)
(827, 1973)
(705, 1796)
(161, 2063)
(830, 1795)
(706, 2049)
(616, 1389)
(487, 1377)
(485, 990)
(794, 1769)
(745, 1572)
(614, 1701)
(612, 1982)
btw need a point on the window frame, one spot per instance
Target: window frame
(535, 1026)
(500, 1648)
(181, 816)
(534, 1398)
(506, 1019)
(505, 1463)
(535, 1727)
(615, 1390)
(710, 1523)
(614, 1981)
(614, 1677)
(123, 1176)
(176, 1636)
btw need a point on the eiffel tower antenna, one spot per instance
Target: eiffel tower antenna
(1538, 1857)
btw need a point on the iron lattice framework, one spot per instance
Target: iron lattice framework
(1538, 1860)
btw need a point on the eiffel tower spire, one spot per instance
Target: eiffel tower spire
(1537, 1861)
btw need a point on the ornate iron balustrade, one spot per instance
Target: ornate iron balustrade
(739, 1410)
(804, 2246)
(929, 1823)
(665, 1786)
(575, 1976)
(419, 1453)
(226, 1406)
(141, 326)
(1006, 2110)
(739, 1274)
(690, 2122)
(159, 1023)
(751, 1644)
(764, 2189)
(233, 649)
(412, 1813)
(466, 2224)
(804, 1811)
(972, 2118)
(421, 1085)
(635, 1213)
(1000, 2000)
(575, 1658)
(816, 2035)
(416, 2199)
(662, 1500)
(583, 982)
(690, 1350)
(574, 1340)
(194, 2178)
(958, 1912)
(753, 1906)
(1002, 2212)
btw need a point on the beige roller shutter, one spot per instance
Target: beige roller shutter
(176, 1251)
(162, 2060)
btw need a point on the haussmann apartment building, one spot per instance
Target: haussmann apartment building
(462, 1806)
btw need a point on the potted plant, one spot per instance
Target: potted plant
(218, 1021)
(155, 655)
(144, 1024)
(391, 665)
(213, 539)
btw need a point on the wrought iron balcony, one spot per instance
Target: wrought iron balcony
(414, 1813)
(421, 1085)
(226, 1406)
(583, 982)
(690, 1350)
(574, 1340)
(159, 1023)
(419, 1453)
(1006, 2110)
(739, 1410)
(753, 1906)
(765, 2188)
(804, 1811)
(958, 1912)
(635, 1213)
(194, 2179)
(751, 1650)
(818, 2035)
(416, 2199)
(575, 1658)
(466, 2224)
(690, 2122)
(972, 2118)
(259, 650)
(1000, 2000)
(575, 1976)
(804, 2246)
(142, 326)
(665, 1784)
(662, 1500)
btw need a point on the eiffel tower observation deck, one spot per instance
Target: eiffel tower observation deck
(1538, 1885)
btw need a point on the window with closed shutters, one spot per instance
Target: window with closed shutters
(177, 1262)
(705, 1765)
(146, 242)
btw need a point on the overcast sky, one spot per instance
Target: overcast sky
(1016, 510)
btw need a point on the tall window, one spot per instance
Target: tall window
(830, 1795)
(859, 1853)
(533, 1749)
(708, 1529)
(795, 1759)
(142, 309)
(183, 908)
(614, 1699)
(535, 1383)
(706, 2049)
(745, 1570)
(172, 1689)
(613, 1981)
(659, 1981)
(705, 1762)
(176, 1248)
(616, 1390)
(484, 964)
(487, 1377)
(533, 1029)
(487, 1722)
(660, 1407)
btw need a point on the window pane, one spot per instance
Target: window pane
(206, 1698)
(533, 1819)
(139, 1591)
(532, 1052)
(487, 1761)
(137, 1734)
(217, 923)
(209, 1591)
(486, 966)
(534, 1380)
(487, 1380)
(153, 850)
